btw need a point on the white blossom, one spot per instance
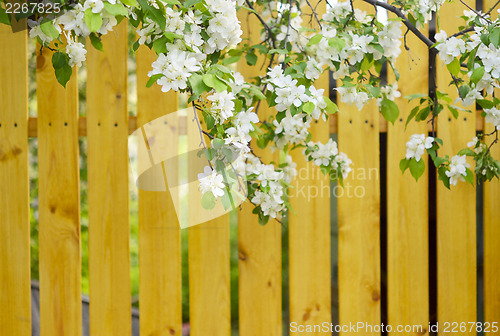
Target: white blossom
(457, 169)
(211, 181)
(417, 145)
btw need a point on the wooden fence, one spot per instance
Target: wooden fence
(405, 252)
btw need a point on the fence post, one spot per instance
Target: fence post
(259, 246)
(407, 201)
(160, 272)
(59, 206)
(108, 194)
(491, 227)
(15, 298)
(456, 208)
(359, 215)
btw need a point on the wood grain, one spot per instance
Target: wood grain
(160, 281)
(59, 202)
(359, 215)
(407, 203)
(107, 160)
(456, 208)
(15, 297)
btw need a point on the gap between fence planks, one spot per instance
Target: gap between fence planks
(15, 273)
(259, 246)
(160, 281)
(407, 203)
(456, 208)
(491, 228)
(108, 187)
(59, 202)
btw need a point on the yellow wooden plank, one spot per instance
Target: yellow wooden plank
(491, 228)
(107, 159)
(407, 204)
(309, 232)
(456, 209)
(209, 282)
(59, 196)
(359, 215)
(160, 282)
(15, 300)
(259, 246)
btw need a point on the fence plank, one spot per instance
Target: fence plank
(456, 209)
(407, 204)
(491, 243)
(491, 228)
(59, 196)
(309, 232)
(15, 311)
(259, 246)
(160, 281)
(359, 215)
(209, 279)
(109, 257)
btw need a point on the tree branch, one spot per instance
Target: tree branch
(406, 22)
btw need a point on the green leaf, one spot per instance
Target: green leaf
(251, 59)
(4, 17)
(415, 96)
(466, 151)
(454, 67)
(453, 111)
(160, 45)
(132, 3)
(210, 121)
(63, 74)
(495, 37)
(190, 3)
(93, 20)
(413, 113)
(49, 29)
(231, 60)
(469, 177)
(218, 143)
(209, 80)
(308, 107)
(389, 110)
(208, 200)
(477, 74)
(337, 43)
(153, 79)
(96, 42)
(331, 107)
(172, 2)
(315, 39)
(115, 9)
(438, 161)
(197, 85)
(263, 219)
(417, 168)
(404, 164)
(59, 59)
(442, 176)
(485, 104)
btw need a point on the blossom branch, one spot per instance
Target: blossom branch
(406, 21)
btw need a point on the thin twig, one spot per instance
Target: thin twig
(406, 21)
